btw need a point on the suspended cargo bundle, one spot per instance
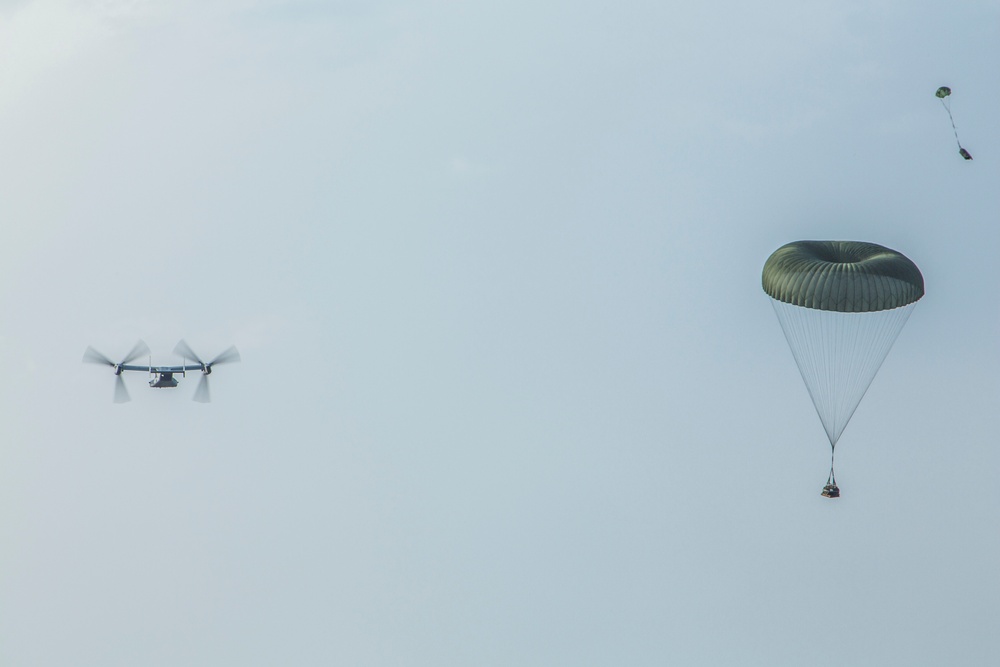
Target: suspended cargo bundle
(841, 305)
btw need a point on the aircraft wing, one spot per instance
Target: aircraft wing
(160, 369)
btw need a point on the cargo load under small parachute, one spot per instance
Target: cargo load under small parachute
(841, 305)
(943, 93)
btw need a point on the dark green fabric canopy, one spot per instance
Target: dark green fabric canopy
(842, 276)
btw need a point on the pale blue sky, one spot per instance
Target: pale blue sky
(511, 393)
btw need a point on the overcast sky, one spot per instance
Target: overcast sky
(511, 393)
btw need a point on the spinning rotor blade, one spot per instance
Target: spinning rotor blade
(201, 394)
(140, 349)
(229, 356)
(92, 356)
(121, 391)
(182, 349)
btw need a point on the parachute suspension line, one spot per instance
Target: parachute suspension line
(838, 355)
(831, 490)
(947, 107)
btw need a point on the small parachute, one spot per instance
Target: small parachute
(841, 305)
(942, 93)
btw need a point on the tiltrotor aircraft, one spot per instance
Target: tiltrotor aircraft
(162, 376)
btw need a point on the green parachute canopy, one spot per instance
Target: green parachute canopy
(843, 276)
(943, 92)
(841, 306)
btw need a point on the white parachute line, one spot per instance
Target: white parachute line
(796, 334)
(838, 355)
(947, 107)
(876, 355)
(882, 332)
